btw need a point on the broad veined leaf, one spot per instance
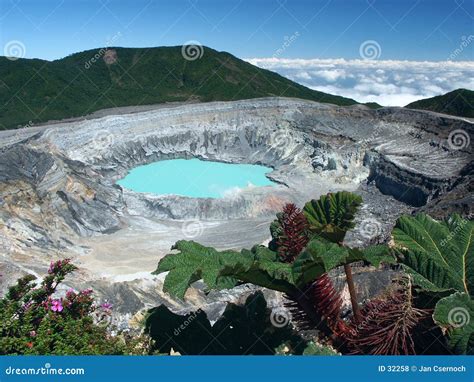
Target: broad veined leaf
(222, 270)
(266, 270)
(194, 262)
(332, 215)
(319, 257)
(374, 255)
(439, 255)
(455, 315)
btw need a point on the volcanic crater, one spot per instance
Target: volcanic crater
(59, 195)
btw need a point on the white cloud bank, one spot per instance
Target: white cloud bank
(389, 83)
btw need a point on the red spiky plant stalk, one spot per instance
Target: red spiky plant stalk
(328, 303)
(324, 298)
(388, 325)
(294, 236)
(384, 326)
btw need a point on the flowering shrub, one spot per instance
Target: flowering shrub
(32, 321)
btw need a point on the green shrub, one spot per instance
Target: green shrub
(33, 321)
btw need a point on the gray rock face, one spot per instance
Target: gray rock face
(59, 198)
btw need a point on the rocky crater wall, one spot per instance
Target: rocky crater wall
(312, 148)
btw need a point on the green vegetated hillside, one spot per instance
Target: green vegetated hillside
(459, 102)
(37, 90)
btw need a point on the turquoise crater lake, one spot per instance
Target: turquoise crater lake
(195, 178)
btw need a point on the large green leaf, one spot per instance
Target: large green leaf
(374, 255)
(319, 257)
(455, 315)
(439, 255)
(194, 262)
(266, 270)
(332, 215)
(222, 270)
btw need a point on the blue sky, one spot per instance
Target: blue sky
(404, 29)
(388, 51)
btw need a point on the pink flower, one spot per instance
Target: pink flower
(106, 306)
(86, 292)
(56, 306)
(32, 333)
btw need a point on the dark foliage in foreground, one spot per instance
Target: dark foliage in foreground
(246, 329)
(432, 296)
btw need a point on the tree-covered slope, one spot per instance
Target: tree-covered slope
(459, 102)
(38, 91)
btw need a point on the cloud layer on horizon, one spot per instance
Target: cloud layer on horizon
(387, 82)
